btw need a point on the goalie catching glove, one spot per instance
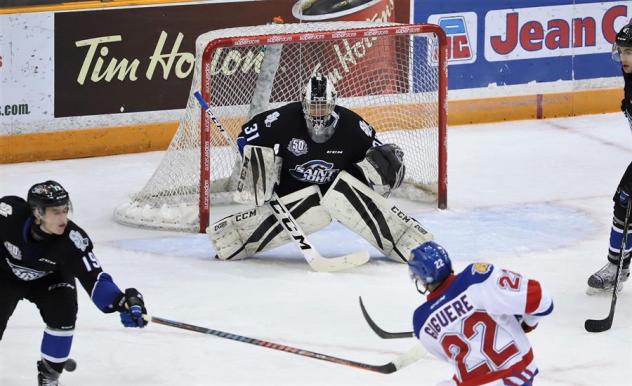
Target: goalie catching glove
(383, 168)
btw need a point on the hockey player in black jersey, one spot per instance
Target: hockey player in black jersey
(325, 162)
(604, 279)
(42, 253)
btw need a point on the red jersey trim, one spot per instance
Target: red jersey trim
(534, 296)
(514, 370)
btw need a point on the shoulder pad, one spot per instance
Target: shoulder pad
(477, 272)
(78, 237)
(481, 268)
(10, 205)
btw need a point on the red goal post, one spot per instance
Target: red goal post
(393, 75)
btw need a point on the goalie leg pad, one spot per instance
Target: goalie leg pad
(372, 217)
(246, 233)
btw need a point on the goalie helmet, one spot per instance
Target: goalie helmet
(622, 40)
(319, 101)
(47, 194)
(429, 265)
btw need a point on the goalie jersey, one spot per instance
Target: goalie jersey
(473, 321)
(306, 162)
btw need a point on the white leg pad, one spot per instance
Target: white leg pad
(374, 218)
(245, 233)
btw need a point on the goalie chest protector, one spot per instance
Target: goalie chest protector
(306, 162)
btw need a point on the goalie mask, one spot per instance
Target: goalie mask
(622, 41)
(319, 101)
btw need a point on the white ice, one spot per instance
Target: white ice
(531, 196)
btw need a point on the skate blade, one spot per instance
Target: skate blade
(602, 291)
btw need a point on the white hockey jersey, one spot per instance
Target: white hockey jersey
(473, 321)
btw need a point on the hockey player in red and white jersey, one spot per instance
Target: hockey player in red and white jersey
(478, 319)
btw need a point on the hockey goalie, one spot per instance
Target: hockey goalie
(325, 163)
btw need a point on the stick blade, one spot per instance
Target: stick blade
(381, 333)
(340, 263)
(598, 325)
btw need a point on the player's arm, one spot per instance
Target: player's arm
(103, 292)
(510, 293)
(253, 132)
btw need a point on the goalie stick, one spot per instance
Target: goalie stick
(289, 224)
(382, 333)
(600, 325)
(403, 360)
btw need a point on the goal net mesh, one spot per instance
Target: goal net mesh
(391, 80)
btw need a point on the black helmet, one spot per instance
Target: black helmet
(624, 37)
(46, 194)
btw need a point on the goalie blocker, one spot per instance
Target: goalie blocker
(348, 200)
(259, 175)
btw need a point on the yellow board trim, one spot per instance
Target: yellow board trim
(86, 143)
(150, 137)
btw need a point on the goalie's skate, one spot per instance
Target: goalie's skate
(603, 280)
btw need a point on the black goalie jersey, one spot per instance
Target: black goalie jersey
(306, 162)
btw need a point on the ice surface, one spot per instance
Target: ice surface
(532, 196)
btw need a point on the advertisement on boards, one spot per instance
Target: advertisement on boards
(141, 59)
(26, 68)
(518, 42)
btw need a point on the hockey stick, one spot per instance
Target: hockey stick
(382, 333)
(600, 325)
(287, 221)
(401, 361)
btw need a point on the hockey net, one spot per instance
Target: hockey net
(393, 75)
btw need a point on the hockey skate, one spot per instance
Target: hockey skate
(46, 376)
(603, 280)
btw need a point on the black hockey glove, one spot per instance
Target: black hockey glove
(132, 308)
(624, 193)
(526, 328)
(383, 166)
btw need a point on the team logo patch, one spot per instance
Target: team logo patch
(315, 172)
(368, 130)
(297, 147)
(5, 209)
(80, 242)
(481, 268)
(13, 250)
(26, 274)
(271, 118)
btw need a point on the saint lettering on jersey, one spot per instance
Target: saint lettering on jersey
(315, 172)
